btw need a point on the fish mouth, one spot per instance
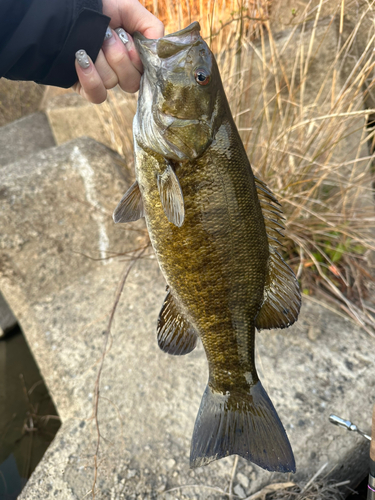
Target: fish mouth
(166, 121)
(168, 45)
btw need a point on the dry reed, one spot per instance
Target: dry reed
(302, 101)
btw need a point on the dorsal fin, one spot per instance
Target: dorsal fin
(282, 298)
(130, 207)
(175, 334)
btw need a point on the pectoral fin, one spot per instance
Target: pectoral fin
(130, 207)
(175, 334)
(171, 196)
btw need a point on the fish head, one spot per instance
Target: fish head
(180, 94)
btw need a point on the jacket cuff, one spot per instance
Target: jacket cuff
(87, 33)
(79, 5)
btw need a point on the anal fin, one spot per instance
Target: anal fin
(175, 334)
(130, 207)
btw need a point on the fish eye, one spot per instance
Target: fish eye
(202, 76)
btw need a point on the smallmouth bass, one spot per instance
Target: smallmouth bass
(215, 230)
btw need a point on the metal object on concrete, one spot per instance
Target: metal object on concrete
(346, 424)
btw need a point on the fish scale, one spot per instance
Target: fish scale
(214, 244)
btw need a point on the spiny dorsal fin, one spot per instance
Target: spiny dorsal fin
(130, 207)
(171, 196)
(175, 335)
(282, 298)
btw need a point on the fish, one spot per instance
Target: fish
(215, 229)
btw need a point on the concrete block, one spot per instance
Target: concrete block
(18, 99)
(7, 318)
(24, 137)
(56, 219)
(149, 400)
(71, 116)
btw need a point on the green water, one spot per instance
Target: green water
(28, 417)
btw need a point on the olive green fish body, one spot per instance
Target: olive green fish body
(215, 230)
(215, 263)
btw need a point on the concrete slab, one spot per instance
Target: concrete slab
(149, 400)
(18, 99)
(71, 116)
(56, 219)
(24, 137)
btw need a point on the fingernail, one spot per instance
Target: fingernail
(83, 59)
(108, 34)
(122, 35)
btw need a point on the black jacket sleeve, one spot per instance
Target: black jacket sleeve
(39, 38)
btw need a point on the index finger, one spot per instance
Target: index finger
(134, 17)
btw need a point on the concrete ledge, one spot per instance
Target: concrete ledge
(56, 209)
(24, 137)
(149, 400)
(71, 116)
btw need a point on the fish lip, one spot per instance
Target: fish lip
(195, 26)
(169, 121)
(151, 43)
(141, 42)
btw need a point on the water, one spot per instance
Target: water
(28, 417)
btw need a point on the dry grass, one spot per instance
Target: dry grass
(302, 101)
(214, 16)
(318, 487)
(301, 113)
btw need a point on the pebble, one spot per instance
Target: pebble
(244, 480)
(170, 463)
(238, 490)
(314, 333)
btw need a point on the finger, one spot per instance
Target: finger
(130, 46)
(117, 56)
(133, 17)
(93, 88)
(140, 19)
(106, 73)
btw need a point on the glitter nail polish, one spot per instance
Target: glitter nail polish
(122, 35)
(83, 59)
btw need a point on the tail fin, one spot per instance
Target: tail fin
(243, 423)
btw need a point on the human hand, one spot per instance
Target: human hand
(118, 61)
